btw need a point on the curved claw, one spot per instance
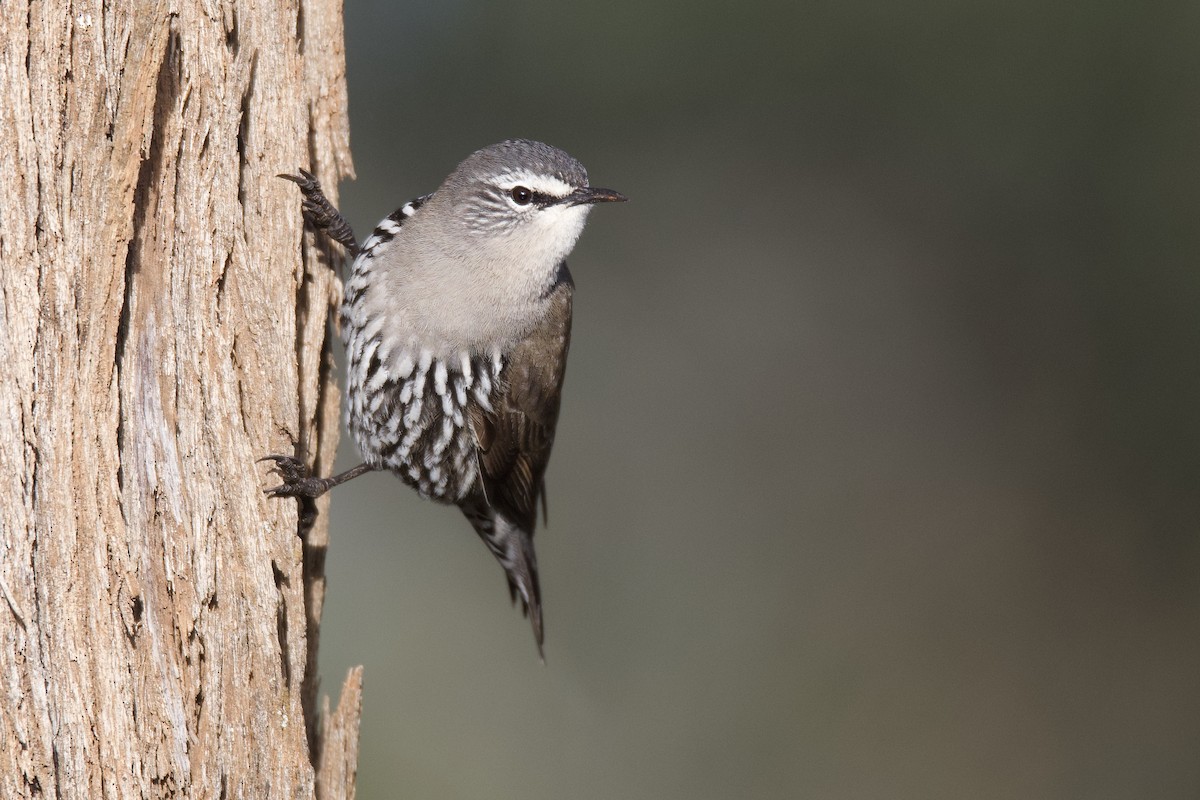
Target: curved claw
(297, 480)
(321, 213)
(277, 458)
(305, 179)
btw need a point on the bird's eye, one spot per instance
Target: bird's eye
(521, 196)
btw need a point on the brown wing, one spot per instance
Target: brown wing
(515, 439)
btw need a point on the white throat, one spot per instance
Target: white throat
(455, 291)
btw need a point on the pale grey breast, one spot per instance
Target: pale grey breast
(410, 411)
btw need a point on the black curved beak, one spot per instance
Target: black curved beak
(593, 194)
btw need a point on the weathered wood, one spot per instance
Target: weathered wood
(160, 332)
(337, 761)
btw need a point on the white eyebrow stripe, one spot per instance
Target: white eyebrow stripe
(544, 184)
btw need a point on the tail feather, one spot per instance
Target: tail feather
(513, 548)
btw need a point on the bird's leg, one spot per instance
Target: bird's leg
(321, 213)
(297, 482)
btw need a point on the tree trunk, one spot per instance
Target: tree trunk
(163, 327)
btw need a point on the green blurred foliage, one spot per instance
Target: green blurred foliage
(879, 461)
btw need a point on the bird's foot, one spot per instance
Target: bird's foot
(297, 479)
(321, 213)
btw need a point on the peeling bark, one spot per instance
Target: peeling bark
(165, 323)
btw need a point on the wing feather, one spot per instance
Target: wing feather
(515, 438)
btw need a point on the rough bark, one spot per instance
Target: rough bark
(164, 326)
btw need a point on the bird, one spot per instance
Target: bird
(456, 320)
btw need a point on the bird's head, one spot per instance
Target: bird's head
(522, 201)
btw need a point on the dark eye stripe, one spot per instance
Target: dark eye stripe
(540, 199)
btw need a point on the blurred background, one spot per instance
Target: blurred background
(878, 473)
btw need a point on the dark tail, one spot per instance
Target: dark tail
(513, 548)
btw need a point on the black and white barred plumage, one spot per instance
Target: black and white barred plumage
(408, 411)
(456, 319)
